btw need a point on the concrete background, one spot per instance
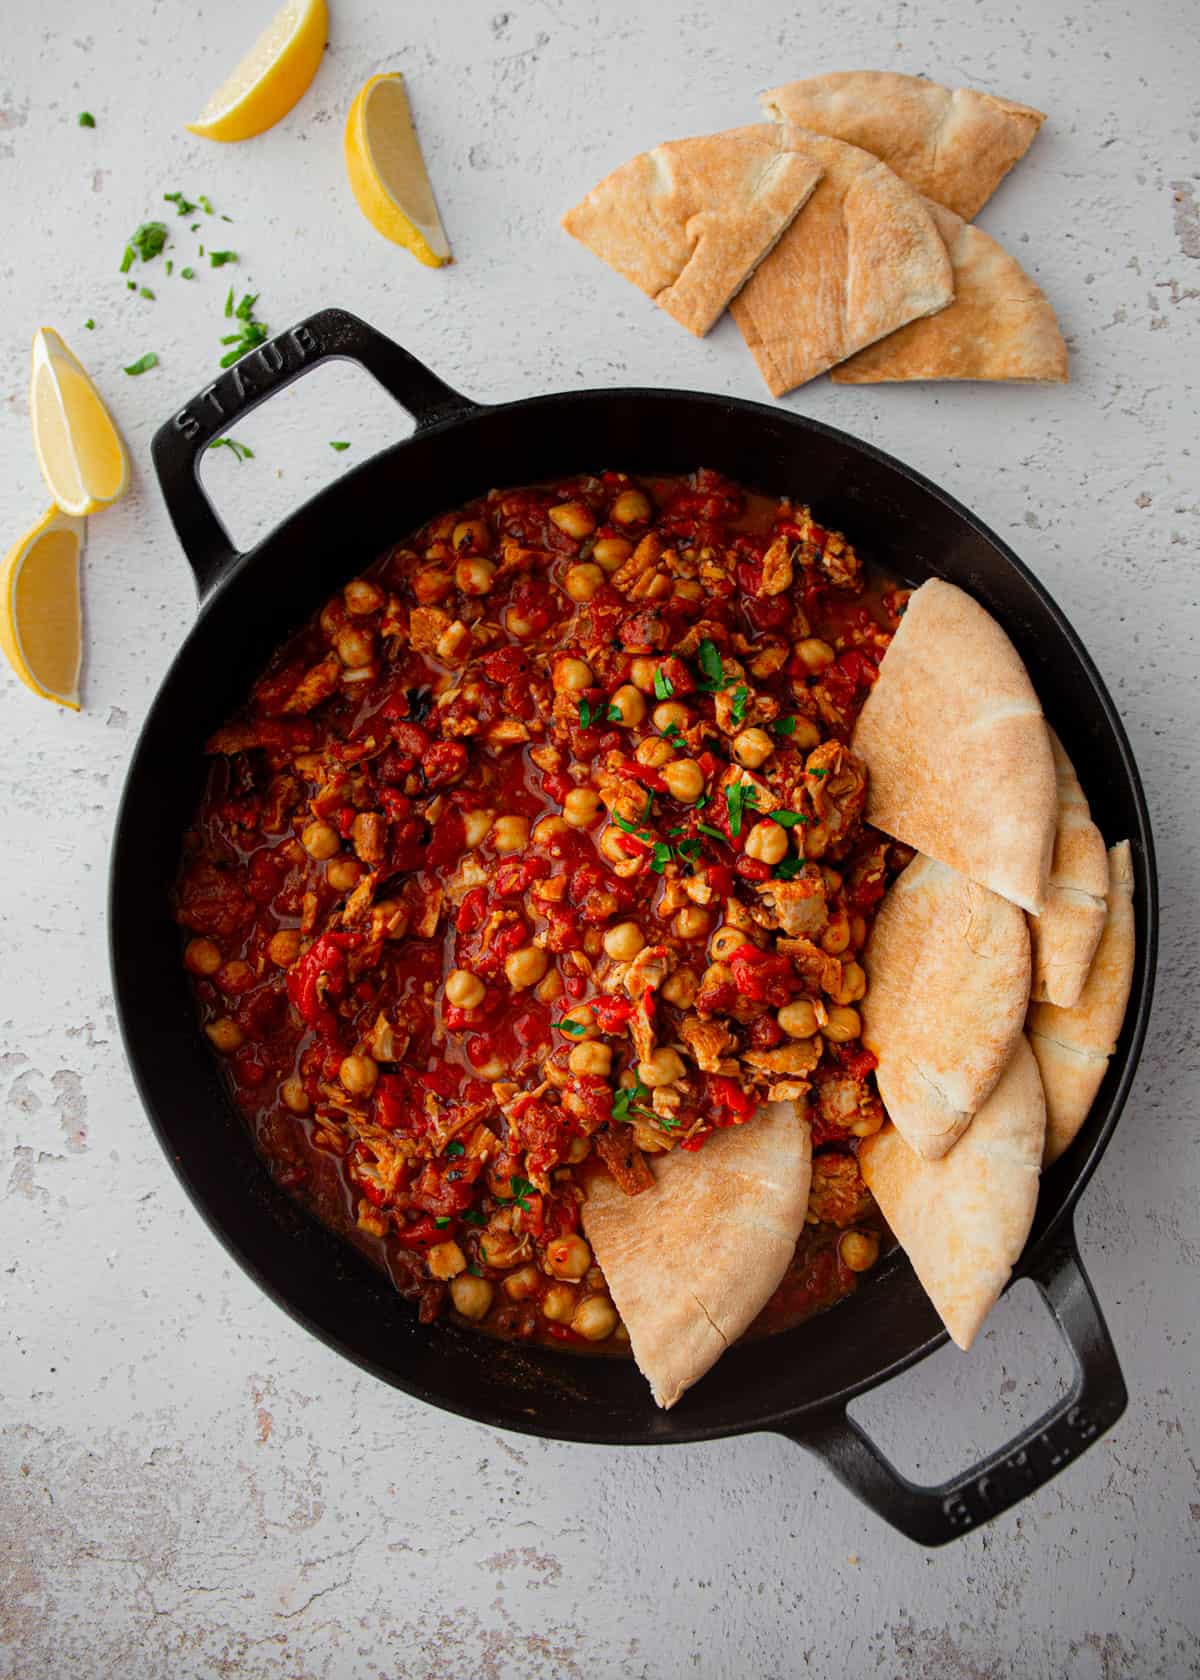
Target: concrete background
(189, 1485)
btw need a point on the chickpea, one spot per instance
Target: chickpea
(832, 880)
(474, 577)
(798, 1018)
(333, 617)
(853, 984)
(611, 846)
(568, 1257)
(583, 1016)
(362, 596)
(431, 584)
(814, 654)
(511, 834)
(642, 673)
(611, 553)
(525, 967)
(343, 874)
(358, 1074)
(654, 752)
(320, 841)
(522, 1283)
(518, 625)
(226, 1034)
(767, 842)
(630, 507)
(592, 1059)
(294, 1096)
(550, 988)
(858, 1250)
(471, 534)
(623, 942)
(574, 519)
(446, 1260)
(681, 987)
(869, 1123)
(582, 581)
(725, 942)
(670, 712)
(476, 824)
(284, 947)
(581, 807)
(355, 648)
(464, 990)
(753, 747)
(202, 956)
(842, 1025)
(806, 735)
(471, 1295)
(494, 1068)
(629, 706)
(664, 1067)
(836, 935)
(684, 779)
(692, 922)
(558, 1303)
(549, 829)
(595, 1319)
(571, 675)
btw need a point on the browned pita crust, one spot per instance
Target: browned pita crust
(954, 145)
(999, 327)
(690, 1263)
(948, 983)
(1064, 937)
(954, 740)
(964, 1220)
(861, 259)
(690, 221)
(1073, 1045)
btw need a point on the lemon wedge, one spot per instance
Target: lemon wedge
(387, 172)
(78, 447)
(40, 620)
(271, 78)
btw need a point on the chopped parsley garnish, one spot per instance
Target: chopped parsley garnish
(143, 363)
(147, 240)
(672, 733)
(688, 848)
(250, 335)
(715, 833)
(441, 1223)
(787, 819)
(663, 686)
(712, 670)
(205, 205)
(187, 273)
(783, 726)
(144, 291)
(819, 772)
(170, 266)
(575, 1028)
(219, 258)
(229, 304)
(455, 1148)
(474, 1217)
(90, 324)
(739, 797)
(740, 697)
(667, 1124)
(86, 120)
(241, 451)
(586, 715)
(183, 206)
(629, 827)
(614, 714)
(127, 259)
(788, 869)
(473, 1269)
(521, 1188)
(649, 806)
(339, 446)
(660, 857)
(630, 1100)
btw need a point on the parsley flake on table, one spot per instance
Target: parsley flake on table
(219, 258)
(250, 334)
(339, 446)
(86, 120)
(144, 291)
(187, 273)
(147, 241)
(90, 324)
(183, 206)
(240, 451)
(143, 364)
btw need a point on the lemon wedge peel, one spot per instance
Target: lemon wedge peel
(78, 446)
(272, 77)
(41, 621)
(387, 171)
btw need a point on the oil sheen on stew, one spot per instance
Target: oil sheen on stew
(542, 840)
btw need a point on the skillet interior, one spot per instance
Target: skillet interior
(893, 516)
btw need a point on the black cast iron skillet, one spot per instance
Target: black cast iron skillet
(797, 1384)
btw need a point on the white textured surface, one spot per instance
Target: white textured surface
(189, 1485)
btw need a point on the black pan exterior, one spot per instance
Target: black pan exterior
(894, 517)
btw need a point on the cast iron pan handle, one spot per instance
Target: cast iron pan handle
(934, 1515)
(330, 334)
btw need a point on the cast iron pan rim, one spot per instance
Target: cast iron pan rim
(461, 422)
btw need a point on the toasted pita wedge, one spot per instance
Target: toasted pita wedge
(1065, 935)
(964, 1220)
(948, 971)
(861, 259)
(956, 746)
(690, 221)
(690, 1263)
(955, 145)
(999, 327)
(1073, 1045)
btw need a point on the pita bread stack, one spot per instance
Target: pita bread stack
(845, 242)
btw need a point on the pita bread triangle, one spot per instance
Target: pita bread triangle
(964, 1220)
(1065, 935)
(690, 1263)
(955, 145)
(999, 327)
(689, 221)
(861, 259)
(956, 747)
